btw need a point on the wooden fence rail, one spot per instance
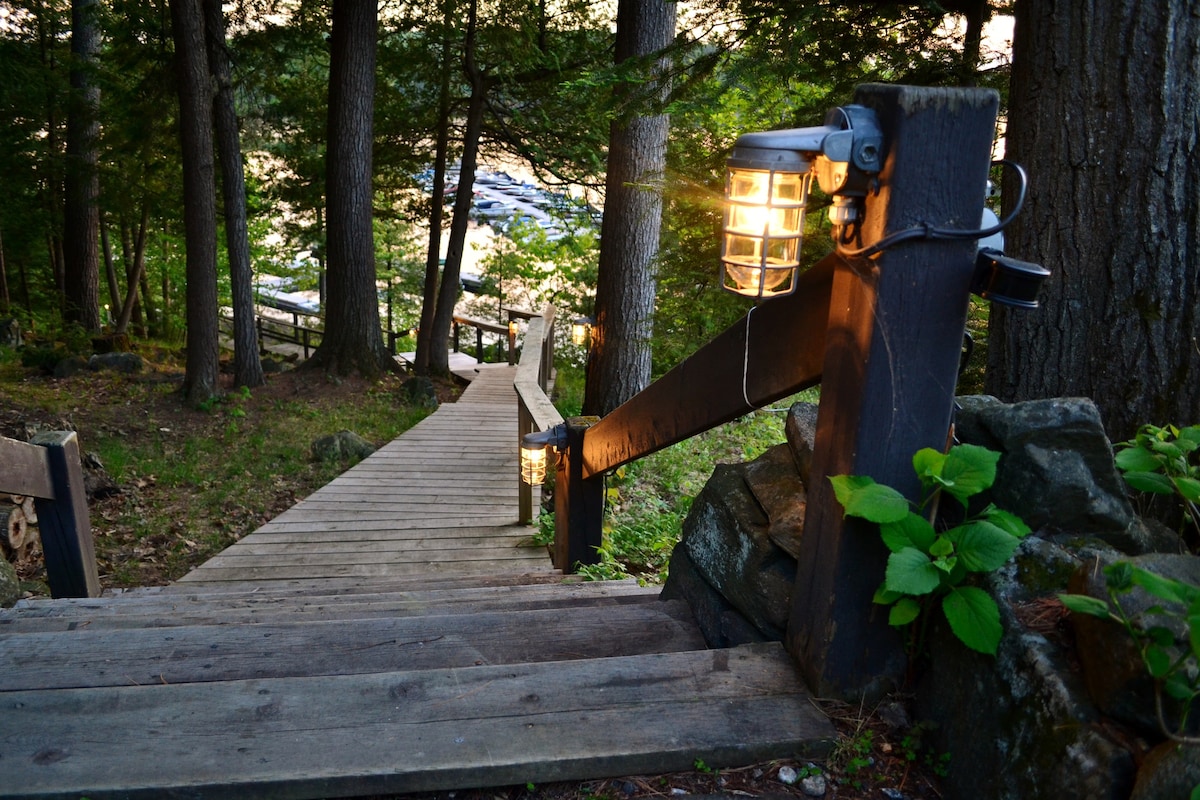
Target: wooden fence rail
(49, 470)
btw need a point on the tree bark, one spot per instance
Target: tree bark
(247, 366)
(201, 371)
(353, 338)
(429, 301)
(81, 212)
(439, 356)
(1105, 117)
(619, 365)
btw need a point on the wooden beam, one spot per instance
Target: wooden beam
(578, 503)
(63, 520)
(24, 469)
(895, 338)
(785, 354)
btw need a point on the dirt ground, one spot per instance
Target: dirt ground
(877, 754)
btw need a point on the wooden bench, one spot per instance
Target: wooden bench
(49, 470)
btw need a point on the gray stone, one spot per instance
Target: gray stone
(10, 332)
(813, 786)
(343, 445)
(1170, 770)
(1022, 725)
(1113, 670)
(801, 430)
(719, 621)
(10, 585)
(420, 392)
(70, 366)
(726, 536)
(1057, 467)
(128, 363)
(773, 480)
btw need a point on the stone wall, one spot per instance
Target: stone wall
(1044, 718)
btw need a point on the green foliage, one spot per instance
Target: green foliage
(1165, 461)
(927, 564)
(1175, 670)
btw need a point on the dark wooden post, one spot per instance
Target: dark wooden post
(478, 344)
(512, 344)
(892, 351)
(456, 336)
(63, 521)
(578, 503)
(524, 490)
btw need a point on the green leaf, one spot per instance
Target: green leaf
(969, 469)
(912, 531)
(1168, 449)
(1193, 620)
(1195, 795)
(1160, 636)
(904, 612)
(885, 597)
(911, 572)
(984, 547)
(1006, 521)
(941, 547)
(1189, 488)
(927, 463)
(1177, 686)
(862, 497)
(1084, 604)
(1172, 591)
(1153, 482)
(1137, 459)
(974, 618)
(1157, 661)
(1119, 576)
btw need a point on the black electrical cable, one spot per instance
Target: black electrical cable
(933, 232)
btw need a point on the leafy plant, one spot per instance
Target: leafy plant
(1165, 461)
(927, 565)
(1176, 671)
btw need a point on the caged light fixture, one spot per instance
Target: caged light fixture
(581, 329)
(769, 175)
(534, 455)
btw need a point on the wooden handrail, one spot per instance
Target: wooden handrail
(535, 412)
(724, 379)
(49, 470)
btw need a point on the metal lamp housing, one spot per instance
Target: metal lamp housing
(769, 175)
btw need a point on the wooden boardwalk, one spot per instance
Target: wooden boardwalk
(391, 633)
(440, 499)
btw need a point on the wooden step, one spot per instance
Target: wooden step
(393, 732)
(199, 653)
(208, 608)
(355, 585)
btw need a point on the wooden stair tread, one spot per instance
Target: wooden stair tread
(187, 654)
(207, 608)
(413, 731)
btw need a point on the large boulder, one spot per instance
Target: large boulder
(342, 446)
(1022, 725)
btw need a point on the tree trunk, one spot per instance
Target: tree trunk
(353, 339)
(110, 272)
(247, 366)
(1105, 116)
(429, 301)
(439, 356)
(619, 366)
(81, 213)
(201, 372)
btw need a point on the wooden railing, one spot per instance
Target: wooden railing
(504, 335)
(48, 469)
(535, 412)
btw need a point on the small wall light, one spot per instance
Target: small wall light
(534, 457)
(769, 177)
(512, 328)
(581, 329)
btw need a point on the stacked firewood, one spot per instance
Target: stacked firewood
(17, 536)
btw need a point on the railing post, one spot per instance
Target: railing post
(512, 344)
(63, 522)
(891, 362)
(524, 490)
(478, 345)
(456, 337)
(578, 503)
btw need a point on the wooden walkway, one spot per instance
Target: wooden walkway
(440, 499)
(391, 633)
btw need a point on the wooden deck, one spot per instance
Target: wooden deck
(440, 499)
(391, 633)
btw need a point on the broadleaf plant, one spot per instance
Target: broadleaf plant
(928, 566)
(1164, 461)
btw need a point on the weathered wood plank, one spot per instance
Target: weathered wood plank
(141, 657)
(421, 731)
(25, 470)
(380, 571)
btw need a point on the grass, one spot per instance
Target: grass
(192, 482)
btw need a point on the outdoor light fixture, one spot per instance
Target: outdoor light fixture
(581, 328)
(1006, 280)
(512, 327)
(533, 452)
(769, 176)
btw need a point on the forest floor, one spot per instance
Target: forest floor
(180, 484)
